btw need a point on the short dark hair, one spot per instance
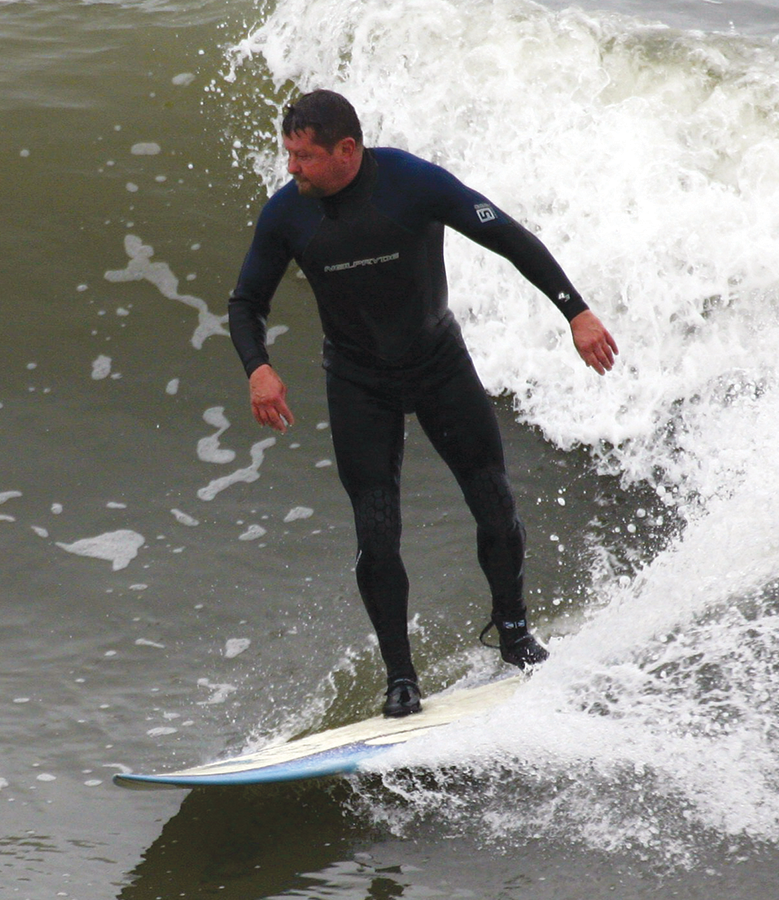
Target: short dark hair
(329, 116)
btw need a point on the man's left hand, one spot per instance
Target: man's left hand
(593, 342)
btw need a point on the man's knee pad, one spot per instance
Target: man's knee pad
(377, 520)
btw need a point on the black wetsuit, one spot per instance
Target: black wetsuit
(373, 254)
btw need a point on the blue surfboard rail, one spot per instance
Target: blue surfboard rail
(339, 761)
(339, 751)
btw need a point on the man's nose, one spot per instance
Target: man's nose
(293, 166)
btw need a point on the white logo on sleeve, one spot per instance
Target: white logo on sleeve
(485, 213)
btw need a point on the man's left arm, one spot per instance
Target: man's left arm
(474, 216)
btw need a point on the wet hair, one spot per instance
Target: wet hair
(329, 116)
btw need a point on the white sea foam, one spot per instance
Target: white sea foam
(297, 513)
(235, 646)
(647, 160)
(274, 332)
(101, 367)
(184, 518)
(220, 692)
(245, 475)
(147, 148)
(117, 547)
(208, 449)
(651, 729)
(141, 268)
(252, 533)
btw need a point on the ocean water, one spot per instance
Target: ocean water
(178, 584)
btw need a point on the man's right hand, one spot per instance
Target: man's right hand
(268, 393)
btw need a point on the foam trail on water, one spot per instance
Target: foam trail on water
(208, 449)
(245, 475)
(141, 268)
(652, 729)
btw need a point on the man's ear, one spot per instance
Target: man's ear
(346, 148)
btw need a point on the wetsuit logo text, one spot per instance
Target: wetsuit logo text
(371, 261)
(485, 212)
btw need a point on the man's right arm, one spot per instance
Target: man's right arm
(250, 302)
(248, 310)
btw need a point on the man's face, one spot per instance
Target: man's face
(317, 171)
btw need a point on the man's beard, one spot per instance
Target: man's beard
(306, 189)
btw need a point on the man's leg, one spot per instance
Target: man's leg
(368, 434)
(461, 424)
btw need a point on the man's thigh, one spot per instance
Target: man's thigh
(460, 422)
(367, 430)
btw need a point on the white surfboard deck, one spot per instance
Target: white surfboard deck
(339, 751)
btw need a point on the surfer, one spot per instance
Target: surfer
(366, 227)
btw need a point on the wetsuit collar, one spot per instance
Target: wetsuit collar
(356, 192)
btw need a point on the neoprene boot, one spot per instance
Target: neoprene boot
(403, 698)
(517, 645)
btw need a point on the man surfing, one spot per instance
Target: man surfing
(366, 226)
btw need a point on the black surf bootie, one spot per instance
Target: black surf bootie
(517, 645)
(403, 698)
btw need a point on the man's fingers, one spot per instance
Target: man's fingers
(285, 412)
(603, 359)
(268, 393)
(606, 351)
(594, 363)
(276, 417)
(595, 345)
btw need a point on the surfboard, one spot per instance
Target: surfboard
(338, 751)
